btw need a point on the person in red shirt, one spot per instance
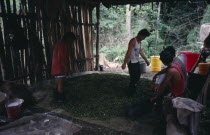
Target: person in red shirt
(174, 81)
(60, 61)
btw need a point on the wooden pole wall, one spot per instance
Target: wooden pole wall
(42, 28)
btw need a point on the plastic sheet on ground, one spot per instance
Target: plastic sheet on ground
(40, 124)
(103, 61)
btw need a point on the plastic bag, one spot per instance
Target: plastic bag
(185, 107)
(204, 31)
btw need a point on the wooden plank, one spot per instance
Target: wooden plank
(24, 5)
(30, 29)
(24, 53)
(8, 6)
(97, 36)
(48, 50)
(14, 7)
(81, 51)
(23, 67)
(86, 35)
(2, 45)
(2, 55)
(90, 41)
(8, 62)
(73, 49)
(90, 31)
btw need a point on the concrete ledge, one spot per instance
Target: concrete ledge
(81, 74)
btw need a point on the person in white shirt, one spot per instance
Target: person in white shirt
(132, 59)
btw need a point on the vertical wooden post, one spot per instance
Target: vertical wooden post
(91, 66)
(8, 6)
(2, 56)
(158, 22)
(8, 60)
(97, 35)
(14, 7)
(47, 49)
(2, 44)
(128, 20)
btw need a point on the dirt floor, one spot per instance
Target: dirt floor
(143, 126)
(45, 121)
(147, 75)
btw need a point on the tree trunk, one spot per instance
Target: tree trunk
(128, 20)
(158, 19)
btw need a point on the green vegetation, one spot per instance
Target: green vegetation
(176, 23)
(102, 96)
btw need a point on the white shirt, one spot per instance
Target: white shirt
(134, 56)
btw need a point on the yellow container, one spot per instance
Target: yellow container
(155, 64)
(203, 68)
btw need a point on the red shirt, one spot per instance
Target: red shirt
(178, 87)
(60, 59)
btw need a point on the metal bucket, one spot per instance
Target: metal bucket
(101, 67)
(142, 66)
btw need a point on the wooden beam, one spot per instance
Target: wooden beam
(33, 16)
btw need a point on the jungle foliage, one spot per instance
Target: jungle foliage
(177, 24)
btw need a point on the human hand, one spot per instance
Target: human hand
(154, 78)
(123, 66)
(156, 87)
(147, 62)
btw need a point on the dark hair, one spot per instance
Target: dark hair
(166, 57)
(144, 32)
(207, 41)
(68, 35)
(171, 50)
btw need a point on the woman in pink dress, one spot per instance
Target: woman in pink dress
(60, 62)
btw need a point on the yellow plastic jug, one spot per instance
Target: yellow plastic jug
(155, 64)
